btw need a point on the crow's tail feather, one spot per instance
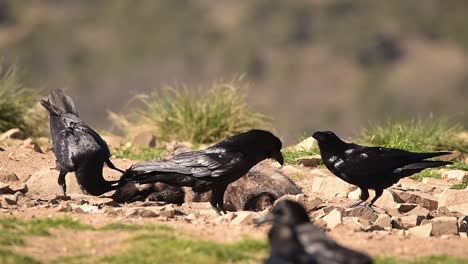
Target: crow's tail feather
(62, 101)
(427, 164)
(428, 155)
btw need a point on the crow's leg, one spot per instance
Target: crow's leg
(62, 183)
(112, 166)
(378, 193)
(362, 198)
(217, 199)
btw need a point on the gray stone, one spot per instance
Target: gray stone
(411, 220)
(361, 212)
(44, 182)
(331, 187)
(419, 210)
(425, 200)
(333, 219)
(444, 225)
(309, 161)
(389, 200)
(456, 175)
(145, 138)
(31, 144)
(421, 231)
(244, 217)
(384, 221)
(455, 200)
(14, 133)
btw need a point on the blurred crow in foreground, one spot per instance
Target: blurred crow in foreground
(295, 240)
(212, 169)
(374, 168)
(77, 147)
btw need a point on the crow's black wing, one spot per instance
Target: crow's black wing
(212, 162)
(322, 249)
(359, 160)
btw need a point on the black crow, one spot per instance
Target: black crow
(294, 239)
(212, 169)
(77, 147)
(374, 168)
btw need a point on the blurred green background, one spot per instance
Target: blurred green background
(311, 64)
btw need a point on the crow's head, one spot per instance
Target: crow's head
(285, 212)
(325, 136)
(261, 143)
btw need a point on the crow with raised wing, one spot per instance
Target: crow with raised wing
(77, 147)
(212, 169)
(374, 168)
(295, 240)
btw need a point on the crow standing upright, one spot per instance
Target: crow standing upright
(77, 147)
(295, 240)
(212, 169)
(374, 168)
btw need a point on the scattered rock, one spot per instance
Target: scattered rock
(145, 138)
(436, 182)
(7, 177)
(425, 200)
(307, 144)
(299, 198)
(411, 220)
(389, 200)
(331, 187)
(397, 223)
(309, 161)
(455, 200)
(147, 213)
(169, 213)
(362, 212)
(64, 206)
(333, 219)
(4, 188)
(405, 207)
(384, 221)
(244, 217)
(313, 204)
(45, 182)
(226, 218)
(421, 231)
(18, 186)
(101, 201)
(444, 225)
(8, 200)
(14, 133)
(31, 144)
(419, 210)
(456, 175)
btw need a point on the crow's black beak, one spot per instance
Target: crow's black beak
(278, 157)
(269, 217)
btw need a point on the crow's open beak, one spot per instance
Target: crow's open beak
(264, 219)
(278, 157)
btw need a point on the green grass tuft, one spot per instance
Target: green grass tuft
(15, 101)
(427, 173)
(459, 186)
(291, 156)
(167, 248)
(135, 227)
(199, 115)
(139, 153)
(13, 230)
(423, 260)
(9, 257)
(459, 166)
(427, 134)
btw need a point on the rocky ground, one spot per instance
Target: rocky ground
(413, 218)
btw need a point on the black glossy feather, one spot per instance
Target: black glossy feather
(372, 167)
(293, 239)
(213, 168)
(77, 147)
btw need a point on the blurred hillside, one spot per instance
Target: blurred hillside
(312, 64)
